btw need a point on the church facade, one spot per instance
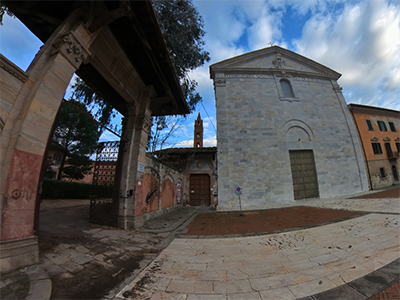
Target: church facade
(284, 131)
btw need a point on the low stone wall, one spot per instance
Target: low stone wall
(17, 254)
(159, 191)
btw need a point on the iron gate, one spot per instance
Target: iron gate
(104, 198)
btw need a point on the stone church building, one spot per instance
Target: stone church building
(284, 131)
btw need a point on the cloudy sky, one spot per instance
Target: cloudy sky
(359, 39)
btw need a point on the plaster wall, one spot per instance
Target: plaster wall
(367, 136)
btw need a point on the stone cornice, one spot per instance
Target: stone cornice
(11, 68)
(270, 72)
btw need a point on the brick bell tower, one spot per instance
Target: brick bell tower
(198, 133)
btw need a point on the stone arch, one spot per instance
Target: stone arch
(302, 130)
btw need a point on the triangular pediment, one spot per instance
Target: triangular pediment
(274, 58)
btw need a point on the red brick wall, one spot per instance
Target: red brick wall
(167, 194)
(151, 193)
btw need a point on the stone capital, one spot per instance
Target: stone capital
(337, 88)
(144, 122)
(219, 82)
(71, 49)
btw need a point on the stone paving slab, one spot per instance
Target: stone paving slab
(328, 257)
(275, 265)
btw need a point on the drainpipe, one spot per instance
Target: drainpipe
(363, 148)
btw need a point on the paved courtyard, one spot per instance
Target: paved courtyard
(288, 265)
(312, 249)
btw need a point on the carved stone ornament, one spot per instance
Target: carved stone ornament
(72, 47)
(337, 88)
(387, 139)
(374, 139)
(145, 123)
(219, 82)
(278, 62)
(310, 79)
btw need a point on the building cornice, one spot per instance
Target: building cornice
(11, 68)
(379, 111)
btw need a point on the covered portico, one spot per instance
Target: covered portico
(117, 48)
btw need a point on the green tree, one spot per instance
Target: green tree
(182, 28)
(4, 10)
(78, 167)
(78, 135)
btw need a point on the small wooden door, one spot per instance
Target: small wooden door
(200, 190)
(304, 175)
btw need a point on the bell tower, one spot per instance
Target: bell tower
(198, 133)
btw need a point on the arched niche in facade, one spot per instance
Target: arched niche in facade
(297, 130)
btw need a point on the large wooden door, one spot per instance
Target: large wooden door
(200, 190)
(304, 175)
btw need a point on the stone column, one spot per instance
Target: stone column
(225, 187)
(38, 102)
(137, 132)
(354, 137)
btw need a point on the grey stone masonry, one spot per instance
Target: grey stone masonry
(259, 122)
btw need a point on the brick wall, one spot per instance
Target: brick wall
(158, 190)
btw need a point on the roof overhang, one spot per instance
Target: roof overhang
(134, 26)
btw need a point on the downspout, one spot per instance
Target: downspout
(363, 148)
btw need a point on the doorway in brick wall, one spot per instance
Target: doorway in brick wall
(200, 190)
(394, 172)
(304, 175)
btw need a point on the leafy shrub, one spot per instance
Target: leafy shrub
(58, 189)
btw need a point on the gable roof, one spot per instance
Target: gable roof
(271, 59)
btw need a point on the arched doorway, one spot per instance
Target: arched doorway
(394, 172)
(200, 190)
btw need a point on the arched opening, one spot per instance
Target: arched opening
(124, 61)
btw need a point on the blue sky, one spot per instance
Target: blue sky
(359, 39)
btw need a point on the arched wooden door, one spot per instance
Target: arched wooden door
(200, 190)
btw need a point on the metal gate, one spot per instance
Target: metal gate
(104, 198)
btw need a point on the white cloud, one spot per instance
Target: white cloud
(209, 142)
(362, 43)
